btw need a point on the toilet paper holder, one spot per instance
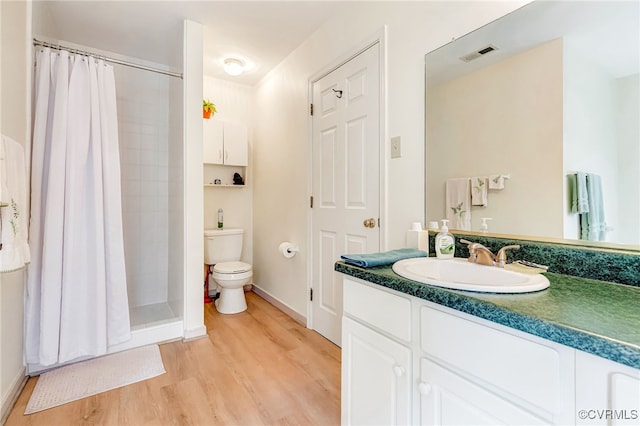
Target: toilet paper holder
(287, 249)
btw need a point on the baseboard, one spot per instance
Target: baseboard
(11, 397)
(295, 315)
(195, 333)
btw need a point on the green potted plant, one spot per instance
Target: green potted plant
(208, 109)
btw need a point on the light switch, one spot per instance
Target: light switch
(396, 151)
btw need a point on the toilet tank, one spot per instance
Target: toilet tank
(222, 245)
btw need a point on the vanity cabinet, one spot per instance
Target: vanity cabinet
(225, 143)
(606, 392)
(466, 370)
(476, 372)
(376, 374)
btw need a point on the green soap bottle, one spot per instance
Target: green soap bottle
(445, 242)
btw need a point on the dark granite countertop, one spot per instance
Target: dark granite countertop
(598, 317)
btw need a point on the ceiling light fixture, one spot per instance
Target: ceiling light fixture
(233, 66)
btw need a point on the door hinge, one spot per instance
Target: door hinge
(311, 201)
(311, 294)
(310, 109)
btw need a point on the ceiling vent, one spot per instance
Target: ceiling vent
(478, 53)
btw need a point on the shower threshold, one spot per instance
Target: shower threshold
(151, 315)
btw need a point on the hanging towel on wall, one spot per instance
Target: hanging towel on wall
(580, 195)
(592, 224)
(458, 203)
(496, 182)
(15, 253)
(479, 191)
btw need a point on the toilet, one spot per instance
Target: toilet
(222, 249)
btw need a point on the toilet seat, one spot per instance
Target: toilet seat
(231, 267)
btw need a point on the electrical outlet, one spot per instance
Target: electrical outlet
(396, 151)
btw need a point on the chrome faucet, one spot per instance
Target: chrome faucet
(482, 255)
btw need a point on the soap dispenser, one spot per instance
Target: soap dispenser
(484, 226)
(445, 242)
(220, 219)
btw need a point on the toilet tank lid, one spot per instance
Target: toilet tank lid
(225, 231)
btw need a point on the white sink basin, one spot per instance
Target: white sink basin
(460, 274)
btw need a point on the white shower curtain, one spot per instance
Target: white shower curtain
(76, 290)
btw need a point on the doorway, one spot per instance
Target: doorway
(346, 183)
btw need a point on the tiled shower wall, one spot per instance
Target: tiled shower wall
(143, 100)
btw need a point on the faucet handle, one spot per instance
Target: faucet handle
(473, 249)
(501, 256)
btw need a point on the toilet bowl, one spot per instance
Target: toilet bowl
(231, 278)
(222, 249)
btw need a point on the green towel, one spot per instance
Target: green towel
(384, 258)
(578, 193)
(592, 224)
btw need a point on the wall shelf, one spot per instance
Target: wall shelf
(213, 185)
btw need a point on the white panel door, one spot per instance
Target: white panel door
(376, 378)
(346, 179)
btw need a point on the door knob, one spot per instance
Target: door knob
(369, 223)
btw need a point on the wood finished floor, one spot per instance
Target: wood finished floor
(259, 367)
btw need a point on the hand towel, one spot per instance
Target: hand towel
(458, 203)
(479, 191)
(384, 258)
(582, 193)
(592, 224)
(496, 182)
(14, 253)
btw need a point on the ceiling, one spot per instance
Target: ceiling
(606, 32)
(261, 33)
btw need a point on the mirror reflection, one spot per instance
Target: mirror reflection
(522, 107)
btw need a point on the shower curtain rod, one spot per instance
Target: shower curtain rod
(37, 42)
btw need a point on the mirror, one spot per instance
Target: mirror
(546, 91)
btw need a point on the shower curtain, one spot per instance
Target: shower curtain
(76, 303)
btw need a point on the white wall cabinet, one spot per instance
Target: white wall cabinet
(457, 369)
(225, 143)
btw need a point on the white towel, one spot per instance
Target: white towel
(14, 253)
(458, 203)
(479, 191)
(496, 182)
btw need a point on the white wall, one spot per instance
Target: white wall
(282, 151)
(15, 122)
(488, 122)
(193, 190)
(234, 103)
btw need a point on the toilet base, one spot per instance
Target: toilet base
(231, 301)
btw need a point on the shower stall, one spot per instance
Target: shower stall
(151, 157)
(150, 137)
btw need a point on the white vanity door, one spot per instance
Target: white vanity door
(376, 377)
(606, 392)
(447, 398)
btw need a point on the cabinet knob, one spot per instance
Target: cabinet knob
(424, 388)
(398, 370)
